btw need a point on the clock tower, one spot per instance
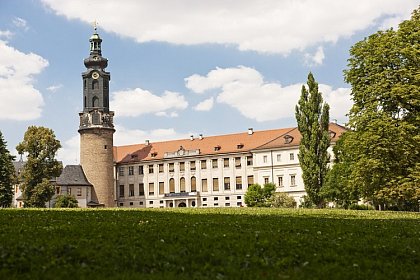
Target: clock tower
(96, 126)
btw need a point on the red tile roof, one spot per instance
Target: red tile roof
(230, 143)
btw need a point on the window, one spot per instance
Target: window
(278, 157)
(193, 184)
(226, 183)
(121, 204)
(141, 189)
(141, 203)
(121, 171)
(204, 185)
(292, 180)
(250, 180)
(227, 198)
(131, 170)
(57, 190)
(150, 202)
(249, 161)
(121, 191)
(238, 162)
(141, 171)
(239, 203)
(265, 159)
(227, 204)
(151, 169)
(182, 184)
(172, 185)
(205, 199)
(95, 84)
(280, 181)
(182, 166)
(214, 163)
(216, 204)
(215, 184)
(131, 203)
(161, 168)
(266, 180)
(225, 162)
(192, 165)
(238, 182)
(79, 192)
(292, 156)
(216, 199)
(204, 205)
(239, 197)
(161, 188)
(151, 189)
(171, 167)
(217, 148)
(204, 164)
(131, 190)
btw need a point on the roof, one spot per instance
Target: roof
(73, 175)
(214, 145)
(18, 165)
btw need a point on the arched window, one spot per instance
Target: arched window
(95, 84)
(172, 185)
(193, 184)
(95, 101)
(182, 184)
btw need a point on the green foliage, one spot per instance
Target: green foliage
(383, 146)
(7, 174)
(282, 200)
(312, 116)
(66, 201)
(229, 243)
(257, 196)
(356, 206)
(41, 147)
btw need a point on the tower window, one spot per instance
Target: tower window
(95, 84)
(95, 101)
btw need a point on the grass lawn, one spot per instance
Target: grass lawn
(241, 243)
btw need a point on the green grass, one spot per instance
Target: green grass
(209, 244)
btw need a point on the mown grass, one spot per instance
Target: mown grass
(209, 244)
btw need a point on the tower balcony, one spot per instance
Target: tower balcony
(96, 119)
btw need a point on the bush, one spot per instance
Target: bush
(66, 201)
(306, 202)
(282, 200)
(257, 196)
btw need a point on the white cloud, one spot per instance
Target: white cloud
(315, 59)
(244, 89)
(70, 151)
(19, 99)
(270, 26)
(6, 34)
(205, 105)
(54, 88)
(20, 23)
(136, 102)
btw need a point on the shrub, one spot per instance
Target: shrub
(282, 200)
(66, 201)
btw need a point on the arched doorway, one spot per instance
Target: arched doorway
(182, 204)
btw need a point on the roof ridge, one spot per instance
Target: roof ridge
(274, 139)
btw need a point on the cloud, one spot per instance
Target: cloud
(20, 23)
(315, 59)
(54, 88)
(136, 102)
(70, 151)
(19, 99)
(205, 105)
(270, 26)
(6, 34)
(245, 90)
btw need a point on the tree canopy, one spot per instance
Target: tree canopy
(66, 201)
(40, 146)
(7, 174)
(312, 116)
(257, 196)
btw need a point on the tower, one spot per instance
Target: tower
(96, 126)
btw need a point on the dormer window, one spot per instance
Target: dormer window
(240, 146)
(217, 148)
(288, 139)
(332, 134)
(134, 156)
(153, 154)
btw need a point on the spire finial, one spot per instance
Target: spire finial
(95, 25)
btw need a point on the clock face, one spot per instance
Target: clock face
(95, 75)
(95, 58)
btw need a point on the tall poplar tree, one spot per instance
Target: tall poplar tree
(7, 173)
(41, 147)
(312, 116)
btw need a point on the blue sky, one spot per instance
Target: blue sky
(179, 68)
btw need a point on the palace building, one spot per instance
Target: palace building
(201, 171)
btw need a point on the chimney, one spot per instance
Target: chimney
(191, 137)
(250, 131)
(335, 121)
(147, 142)
(200, 136)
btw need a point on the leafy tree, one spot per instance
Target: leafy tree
(7, 173)
(312, 116)
(257, 196)
(282, 200)
(41, 147)
(383, 147)
(66, 201)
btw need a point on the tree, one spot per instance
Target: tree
(383, 147)
(66, 201)
(257, 196)
(282, 200)
(7, 174)
(41, 147)
(312, 116)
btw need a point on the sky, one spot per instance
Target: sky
(179, 68)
